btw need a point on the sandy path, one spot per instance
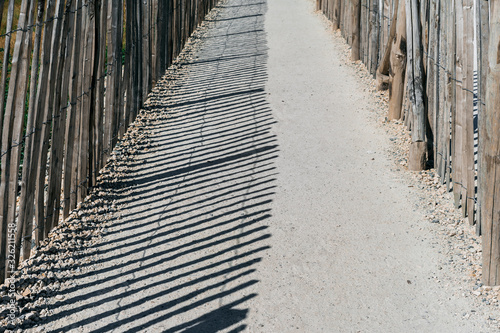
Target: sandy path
(266, 203)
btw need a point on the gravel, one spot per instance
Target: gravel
(308, 277)
(461, 247)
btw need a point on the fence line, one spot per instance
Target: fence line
(92, 63)
(439, 50)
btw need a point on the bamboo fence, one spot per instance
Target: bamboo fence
(440, 60)
(76, 77)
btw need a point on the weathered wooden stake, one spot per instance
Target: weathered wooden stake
(382, 75)
(397, 70)
(489, 155)
(355, 18)
(418, 149)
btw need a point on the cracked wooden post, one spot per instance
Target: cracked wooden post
(418, 148)
(382, 74)
(482, 63)
(397, 64)
(490, 155)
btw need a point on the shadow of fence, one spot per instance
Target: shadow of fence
(181, 250)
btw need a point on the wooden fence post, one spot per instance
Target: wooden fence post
(12, 132)
(483, 37)
(469, 188)
(355, 19)
(398, 57)
(418, 147)
(5, 63)
(2, 3)
(489, 154)
(103, 70)
(72, 134)
(382, 74)
(373, 37)
(113, 78)
(58, 125)
(440, 160)
(336, 14)
(459, 180)
(49, 114)
(431, 82)
(30, 162)
(451, 100)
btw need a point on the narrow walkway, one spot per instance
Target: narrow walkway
(266, 203)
